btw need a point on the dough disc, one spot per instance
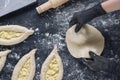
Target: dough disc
(87, 39)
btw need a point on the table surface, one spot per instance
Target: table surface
(50, 28)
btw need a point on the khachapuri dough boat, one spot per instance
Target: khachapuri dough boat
(52, 68)
(25, 68)
(13, 34)
(3, 56)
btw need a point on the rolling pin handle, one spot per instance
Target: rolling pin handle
(44, 7)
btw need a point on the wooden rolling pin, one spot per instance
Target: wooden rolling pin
(50, 4)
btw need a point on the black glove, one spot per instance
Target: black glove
(99, 63)
(81, 18)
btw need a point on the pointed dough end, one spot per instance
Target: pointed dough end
(30, 32)
(33, 51)
(6, 52)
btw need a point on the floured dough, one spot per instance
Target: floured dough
(3, 55)
(87, 39)
(13, 34)
(25, 68)
(52, 68)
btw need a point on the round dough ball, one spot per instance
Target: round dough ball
(87, 39)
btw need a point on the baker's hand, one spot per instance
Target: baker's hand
(81, 18)
(99, 63)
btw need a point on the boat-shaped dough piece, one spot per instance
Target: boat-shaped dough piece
(13, 34)
(3, 56)
(25, 68)
(52, 68)
(87, 39)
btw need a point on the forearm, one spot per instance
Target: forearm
(111, 5)
(81, 18)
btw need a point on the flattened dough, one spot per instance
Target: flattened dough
(13, 34)
(87, 39)
(52, 68)
(25, 68)
(3, 55)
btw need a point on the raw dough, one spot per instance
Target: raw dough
(87, 39)
(13, 34)
(52, 68)
(25, 68)
(3, 55)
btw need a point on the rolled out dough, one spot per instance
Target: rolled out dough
(87, 39)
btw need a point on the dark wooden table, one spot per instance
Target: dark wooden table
(50, 28)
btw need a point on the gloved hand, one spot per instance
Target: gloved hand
(81, 18)
(99, 63)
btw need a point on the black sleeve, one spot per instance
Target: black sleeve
(117, 70)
